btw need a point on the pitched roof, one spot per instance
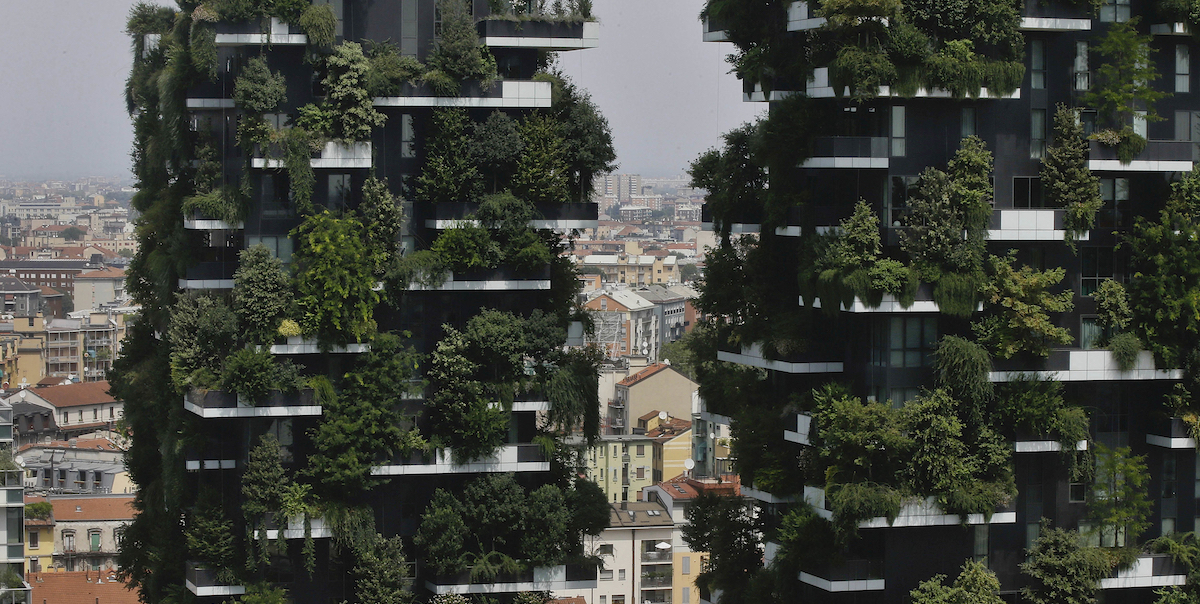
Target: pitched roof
(50, 292)
(683, 487)
(670, 429)
(15, 285)
(102, 444)
(629, 299)
(87, 587)
(96, 507)
(634, 514)
(74, 395)
(643, 374)
(104, 273)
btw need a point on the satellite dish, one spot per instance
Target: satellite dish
(662, 415)
(20, 460)
(689, 463)
(712, 435)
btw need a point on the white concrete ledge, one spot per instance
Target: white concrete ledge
(1029, 224)
(450, 285)
(206, 284)
(210, 104)
(862, 163)
(1096, 365)
(589, 39)
(504, 461)
(713, 35)
(765, 497)
(1168, 442)
(545, 578)
(1141, 574)
(514, 94)
(802, 432)
(800, 18)
(277, 34)
(235, 412)
(202, 224)
(842, 586)
(1052, 24)
(1044, 446)
(334, 155)
(752, 356)
(310, 346)
(1139, 165)
(295, 529)
(215, 590)
(193, 465)
(818, 86)
(736, 228)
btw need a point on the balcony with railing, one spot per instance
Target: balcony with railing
(221, 404)
(510, 94)
(1055, 15)
(1158, 156)
(17, 595)
(498, 279)
(559, 216)
(1029, 224)
(301, 345)
(1170, 433)
(509, 458)
(753, 356)
(339, 155)
(657, 556)
(209, 275)
(1068, 365)
(253, 33)
(1151, 570)
(540, 578)
(541, 34)
(656, 580)
(203, 582)
(849, 152)
(849, 576)
(714, 30)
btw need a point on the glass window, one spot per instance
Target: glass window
(1183, 68)
(621, 575)
(605, 549)
(968, 122)
(898, 132)
(408, 145)
(1077, 492)
(94, 540)
(1037, 133)
(1115, 193)
(903, 188)
(981, 544)
(1083, 77)
(1027, 192)
(641, 450)
(1114, 11)
(68, 539)
(339, 192)
(687, 565)
(1096, 266)
(1091, 335)
(911, 341)
(1037, 64)
(34, 539)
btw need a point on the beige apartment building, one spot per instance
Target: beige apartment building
(634, 270)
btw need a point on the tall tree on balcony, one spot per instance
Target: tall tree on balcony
(1066, 180)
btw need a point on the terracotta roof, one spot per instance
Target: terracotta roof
(99, 507)
(650, 416)
(74, 395)
(80, 588)
(100, 444)
(106, 273)
(643, 374)
(683, 487)
(49, 292)
(670, 429)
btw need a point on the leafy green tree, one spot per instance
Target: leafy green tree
(264, 484)
(73, 233)
(1125, 77)
(258, 90)
(1113, 313)
(541, 167)
(1164, 259)
(1175, 595)
(346, 96)
(382, 219)
(390, 70)
(458, 52)
(202, 331)
(496, 146)
(262, 593)
(1021, 300)
(550, 543)
(1066, 179)
(734, 178)
(947, 205)
(459, 413)
(587, 139)
(1118, 503)
(590, 512)
(728, 529)
(1062, 570)
(467, 246)
(443, 534)
(806, 541)
(360, 424)
(975, 584)
(962, 367)
(249, 372)
(40, 510)
(448, 173)
(334, 279)
(857, 441)
(262, 294)
(381, 575)
(495, 508)
(210, 539)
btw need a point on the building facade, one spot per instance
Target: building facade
(860, 165)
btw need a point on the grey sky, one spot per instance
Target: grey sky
(62, 114)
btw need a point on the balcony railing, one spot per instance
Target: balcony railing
(223, 404)
(656, 581)
(656, 556)
(550, 35)
(17, 595)
(1158, 156)
(203, 582)
(1081, 365)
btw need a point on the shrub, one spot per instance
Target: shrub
(258, 89)
(334, 280)
(1113, 312)
(855, 502)
(466, 247)
(354, 114)
(862, 70)
(962, 368)
(459, 53)
(1021, 302)
(319, 23)
(262, 294)
(250, 373)
(1125, 348)
(1066, 179)
(40, 510)
(389, 70)
(219, 204)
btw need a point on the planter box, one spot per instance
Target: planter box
(546, 215)
(510, 458)
(1067, 365)
(539, 578)
(346, 156)
(300, 345)
(203, 582)
(222, 404)
(550, 35)
(273, 31)
(1158, 156)
(503, 94)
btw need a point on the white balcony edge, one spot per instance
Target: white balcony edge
(489, 285)
(589, 39)
(305, 346)
(783, 366)
(736, 228)
(1054, 24)
(215, 590)
(206, 284)
(842, 586)
(1141, 574)
(1097, 365)
(210, 104)
(913, 520)
(444, 224)
(765, 497)
(1044, 446)
(202, 224)
(497, 588)
(236, 412)
(523, 94)
(1168, 442)
(1139, 165)
(260, 39)
(505, 461)
(195, 465)
(862, 163)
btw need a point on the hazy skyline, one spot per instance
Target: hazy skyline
(666, 94)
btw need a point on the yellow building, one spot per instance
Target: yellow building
(677, 495)
(623, 465)
(633, 269)
(39, 539)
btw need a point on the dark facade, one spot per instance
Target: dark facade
(873, 149)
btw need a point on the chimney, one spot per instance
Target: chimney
(73, 443)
